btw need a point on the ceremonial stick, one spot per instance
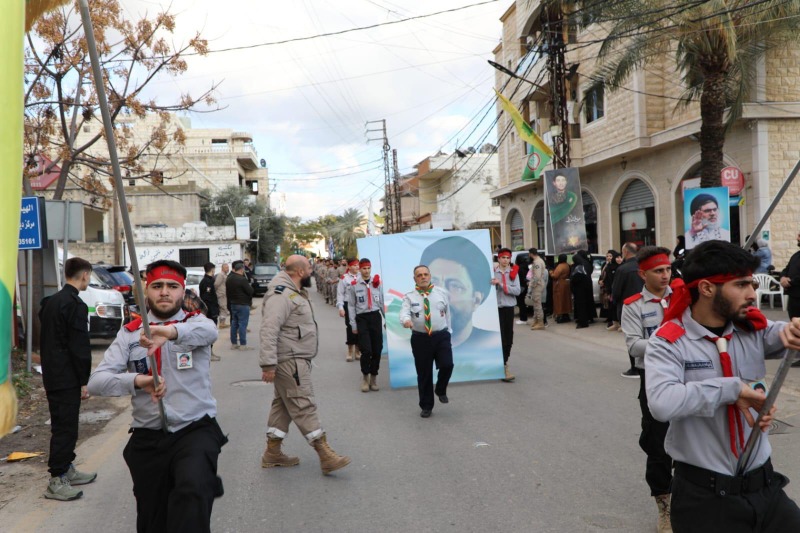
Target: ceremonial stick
(123, 204)
(780, 376)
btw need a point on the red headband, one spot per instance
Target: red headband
(165, 272)
(364, 262)
(504, 254)
(654, 261)
(353, 262)
(681, 297)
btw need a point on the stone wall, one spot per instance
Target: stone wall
(94, 252)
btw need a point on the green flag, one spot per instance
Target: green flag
(537, 160)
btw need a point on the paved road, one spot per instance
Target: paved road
(555, 451)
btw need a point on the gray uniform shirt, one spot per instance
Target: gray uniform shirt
(359, 298)
(503, 299)
(188, 397)
(413, 309)
(342, 288)
(685, 387)
(640, 319)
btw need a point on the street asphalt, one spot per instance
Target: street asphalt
(555, 451)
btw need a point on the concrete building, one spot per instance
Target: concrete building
(637, 152)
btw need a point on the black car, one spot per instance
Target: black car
(262, 275)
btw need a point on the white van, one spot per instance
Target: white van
(106, 308)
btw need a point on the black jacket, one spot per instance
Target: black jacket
(64, 343)
(209, 296)
(627, 282)
(239, 290)
(792, 271)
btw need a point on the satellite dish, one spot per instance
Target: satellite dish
(263, 163)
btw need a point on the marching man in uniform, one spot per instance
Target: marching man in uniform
(365, 305)
(426, 311)
(348, 278)
(506, 283)
(641, 316)
(705, 376)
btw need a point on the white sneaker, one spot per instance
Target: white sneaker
(518, 322)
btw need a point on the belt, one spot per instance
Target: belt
(425, 334)
(367, 313)
(725, 485)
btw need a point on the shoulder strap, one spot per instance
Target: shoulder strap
(671, 332)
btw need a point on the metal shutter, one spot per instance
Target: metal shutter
(636, 196)
(538, 214)
(516, 221)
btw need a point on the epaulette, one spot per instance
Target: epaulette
(670, 332)
(630, 299)
(279, 289)
(133, 325)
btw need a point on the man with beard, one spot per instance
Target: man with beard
(706, 223)
(222, 295)
(790, 281)
(627, 283)
(289, 341)
(174, 470)
(701, 369)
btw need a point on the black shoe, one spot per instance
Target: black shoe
(444, 399)
(631, 373)
(581, 326)
(426, 413)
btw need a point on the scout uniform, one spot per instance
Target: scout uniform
(507, 290)
(342, 287)
(289, 341)
(693, 377)
(365, 307)
(430, 341)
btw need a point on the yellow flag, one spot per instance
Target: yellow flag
(525, 131)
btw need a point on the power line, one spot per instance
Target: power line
(325, 171)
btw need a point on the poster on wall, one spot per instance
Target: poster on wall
(706, 215)
(461, 263)
(565, 225)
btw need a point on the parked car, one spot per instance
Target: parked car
(194, 276)
(118, 278)
(262, 275)
(106, 308)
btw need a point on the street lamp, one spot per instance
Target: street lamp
(504, 70)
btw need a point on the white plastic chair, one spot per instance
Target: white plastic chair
(768, 286)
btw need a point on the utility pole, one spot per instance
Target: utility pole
(556, 67)
(391, 201)
(399, 215)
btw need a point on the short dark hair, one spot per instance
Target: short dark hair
(533, 251)
(467, 254)
(237, 265)
(75, 266)
(421, 266)
(711, 258)
(208, 267)
(700, 200)
(646, 252)
(174, 265)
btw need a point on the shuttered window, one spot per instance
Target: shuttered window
(517, 233)
(636, 196)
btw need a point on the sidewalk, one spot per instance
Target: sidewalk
(596, 334)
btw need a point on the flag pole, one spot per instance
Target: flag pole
(102, 102)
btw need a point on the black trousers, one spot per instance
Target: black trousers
(703, 508)
(65, 405)
(175, 476)
(429, 350)
(523, 309)
(352, 338)
(658, 472)
(370, 341)
(506, 330)
(581, 287)
(793, 306)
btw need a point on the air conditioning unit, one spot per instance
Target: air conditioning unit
(495, 202)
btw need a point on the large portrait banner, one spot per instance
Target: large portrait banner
(461, 263)
(706, 215)
(565, 225)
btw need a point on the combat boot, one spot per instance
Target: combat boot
(273, 456)
(365, 383)
(349, 357)
(663, 503)
(537, 324)
(329, 460)
(357, 352)
(60, 488)
(373, 383)
(509, 376)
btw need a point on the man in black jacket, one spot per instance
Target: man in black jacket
(240, 298)
(790, 281)
(209, 296)
(627, 282)
(66, 363)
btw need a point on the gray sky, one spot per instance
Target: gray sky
(306, 102)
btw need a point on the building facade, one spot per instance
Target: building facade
(637, 151)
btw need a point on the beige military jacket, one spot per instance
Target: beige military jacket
(288, 327)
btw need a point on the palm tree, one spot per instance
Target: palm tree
(348, 228)
(715, 44)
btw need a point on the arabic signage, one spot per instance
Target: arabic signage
(32, 227)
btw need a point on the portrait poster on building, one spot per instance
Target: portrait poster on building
(706, 215)
(461, 263)
(565, 226)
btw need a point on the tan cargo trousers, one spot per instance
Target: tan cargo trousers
(294, 401)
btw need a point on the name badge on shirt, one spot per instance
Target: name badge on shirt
(183, 360)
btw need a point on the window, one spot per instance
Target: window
(593, 104)
(195, 257)
(252, 185)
